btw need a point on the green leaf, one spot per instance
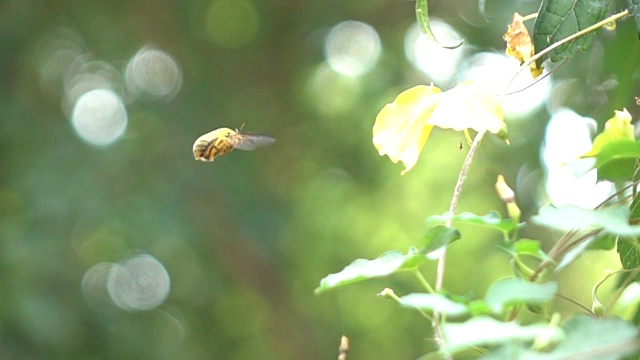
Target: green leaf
(585, 337)
(484, 330)
(363, 269)
(603, 242)
(422, 15)
(434, 302)
(514, 291)
(612, 220)
(629, 255)
(634, 8)
(559, 19)
(492, 219)
(574, 253)
(616, 160)
(437, 239)
(593, 338)
(627, 304)
(616, 149)
(527, 247)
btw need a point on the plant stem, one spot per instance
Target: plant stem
(439, 335)
(423, 281)
(454, 202)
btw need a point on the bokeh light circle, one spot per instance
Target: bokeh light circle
(94, 286)
(140, 283)
(437, 63)
(99, 117)
(153, 72)
(232, 23)
(352, 48)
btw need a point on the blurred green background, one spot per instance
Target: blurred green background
(116, 244)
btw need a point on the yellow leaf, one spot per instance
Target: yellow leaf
(401, 128)
(616, 128)
(519, 43)
(469, 106)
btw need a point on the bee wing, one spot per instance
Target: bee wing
(250, 141)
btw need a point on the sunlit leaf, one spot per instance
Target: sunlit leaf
(616, 160)
(437, 238)
(514, 291)
(613, 220)
(559, 19)
(527, 247)
(363, 269)
(491, 219)
(484, 330)
(616, 128)
(519, 43)
(469, 106)
(434, 302)
(401, 128)
(616, 149)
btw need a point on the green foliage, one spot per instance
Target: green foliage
(422, 15)
(363, 269)
(492, 219)
(581, 338)
(245, 239)
(634, 8)
(439, 237)
(514, 291)
(494, 322)
(434, 302)
(559, 19)
(484, 330)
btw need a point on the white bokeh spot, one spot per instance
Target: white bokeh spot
(99, 117)
(352, 48)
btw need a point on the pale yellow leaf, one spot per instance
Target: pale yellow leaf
(401, 128)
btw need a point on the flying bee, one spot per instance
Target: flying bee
(221, 141)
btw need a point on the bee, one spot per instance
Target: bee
(221, 141)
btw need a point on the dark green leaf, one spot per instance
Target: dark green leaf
(634, 8)
(514, 291)
(612, 220)
(437, 238)
(434, 302)
(629, 255)
(492, 219)
(363, 269)
(559, 19)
